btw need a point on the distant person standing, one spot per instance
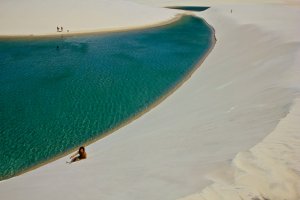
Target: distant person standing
(61, 29)
(57, 28)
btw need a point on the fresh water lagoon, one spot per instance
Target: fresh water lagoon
(190, 8)
(59, 93)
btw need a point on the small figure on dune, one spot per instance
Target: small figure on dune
(81, 155)
(57, 29)
(61, 29)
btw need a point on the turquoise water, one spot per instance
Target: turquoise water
(190, 8)
(52, 100)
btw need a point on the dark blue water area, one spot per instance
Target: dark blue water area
(55, 99)
(190, 8)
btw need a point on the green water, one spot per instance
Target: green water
(190, 8)
(52, 100)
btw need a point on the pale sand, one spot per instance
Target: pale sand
(186, 143)
(163, 3)
(40, 18)
(271, 169)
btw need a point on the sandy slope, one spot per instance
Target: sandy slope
(34, 17)
(237, 97)
(271, 169)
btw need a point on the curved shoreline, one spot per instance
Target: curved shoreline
(93, 32)
(224, 118)
(177, 85)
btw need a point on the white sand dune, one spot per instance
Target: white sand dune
(34, 17)
(203, 136)
(271, 169)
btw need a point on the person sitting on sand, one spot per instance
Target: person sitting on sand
(81, 155)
